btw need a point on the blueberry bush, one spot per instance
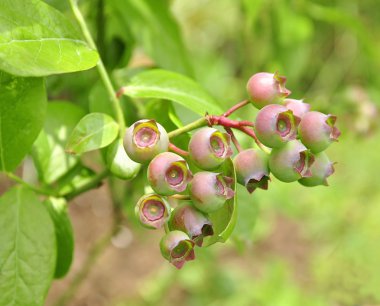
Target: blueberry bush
(79, 110)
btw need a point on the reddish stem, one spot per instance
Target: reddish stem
(252, 134)
(235, 108)
(233, 138)
(177, 150)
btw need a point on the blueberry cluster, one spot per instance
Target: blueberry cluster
(296, 136)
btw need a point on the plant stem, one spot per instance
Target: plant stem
(235, 108)
(95, 182)
(233, 138)
(251, 133)
(191, 126)
(39, 190)
(101, 68)
(177, 150)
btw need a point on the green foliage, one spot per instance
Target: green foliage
(28, 248)
(94, 131)
(37, 40)
(22, 114)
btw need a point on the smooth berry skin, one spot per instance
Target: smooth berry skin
(252, 169)
(177, 248)
(321, 169)
(168, 173)
(266, 88)
(275, 125)
(291, 162)
(317, 131)
(209, 191)
(145, 139)
(209, 148)
(298, 107)
(153, 211)
(194, 223)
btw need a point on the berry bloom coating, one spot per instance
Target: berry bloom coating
(291, 162)
(266, 88)
(145, 139)
(275, 125)
(209, 191)
(321, 169)
(209, 148)
(298, 107)
(190, 220)
(317, 131)
(252, 169)
(168, 173)
(177, 248)
(152, 210)
(119, 163)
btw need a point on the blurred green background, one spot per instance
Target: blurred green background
(292, 245)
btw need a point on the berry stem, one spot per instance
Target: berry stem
(252, 134)
(101, 68)
(235, 108)
(191, 126)
(233, 138)
(175, 149)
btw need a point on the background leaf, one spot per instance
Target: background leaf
(162, 84)
(37, 40)
(22, 114)
(28, 249)
(48, 152)
(224, 219)
(63, 233)
(94, 131)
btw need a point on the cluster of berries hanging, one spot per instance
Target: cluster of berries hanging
(291, 140)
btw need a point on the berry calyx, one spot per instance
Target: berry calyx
(321, 169)
(266, 88)
(152, 210)
(275, 125)
(168, 173)
(144, 140)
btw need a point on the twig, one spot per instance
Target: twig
(233, 138)
(179, 151)
(235, 108)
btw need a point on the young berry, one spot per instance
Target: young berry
(119, 163)
(144, 140)
(209, 148)
(152, 210)
(266, 88)
(317, 131)
(291, 162)
(252, 169)
(177, 248)
(209, 191)
(298, 107)
(168, 173)
(321, 169)
(275, 125)
(190, 220)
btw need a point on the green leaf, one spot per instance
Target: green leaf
(75, 179)
(28, 249)
(48, 151)
(22, 114)
(57, 208)
(224, 219)
(154, 27)
(119, 163)
(162, 84)
(94, 131)
(37, 40)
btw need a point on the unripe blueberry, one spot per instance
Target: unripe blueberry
(321, 169)
(317, 131)
(209, 148)
(190, 220)
(275, 125)
(266, 88)
(209, 191)
(168, 173)
(298, 107)
(145, 139)
(252, 169)
(291, 162)
(177, 248)
(152, 210)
